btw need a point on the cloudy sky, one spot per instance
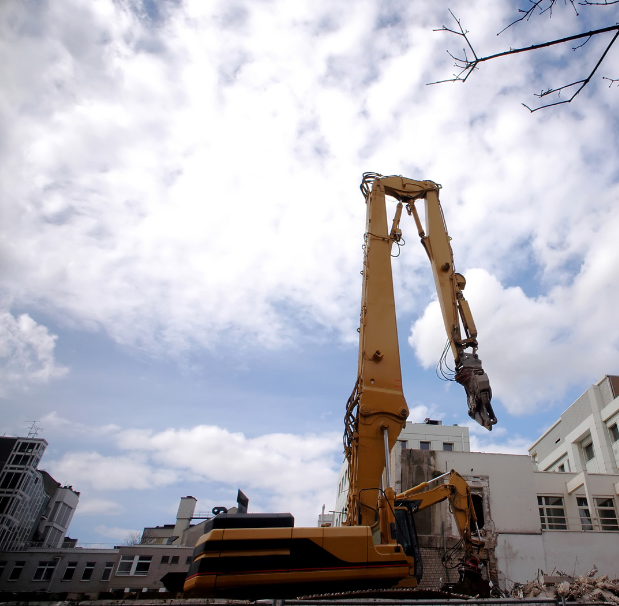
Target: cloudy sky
(182, 230)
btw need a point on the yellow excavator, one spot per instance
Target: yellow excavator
(251, 556)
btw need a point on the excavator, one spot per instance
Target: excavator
(252, 556)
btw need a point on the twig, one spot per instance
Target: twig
(582, 83)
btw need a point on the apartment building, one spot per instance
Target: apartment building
(34, 508)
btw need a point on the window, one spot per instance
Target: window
(143, 564)
(552, 513)
(44, 571)
(70, 571)
(188, 560)
(125, 565)
(11, 480)
(614, 432)
(174, 560)
(448, 446)
(403, 444)
(2, 566)
(16, 572)
(88, 570)
(165, 559)
(53, 537)
(607, 513)
(133, 565)
(21, 460)
(61, 514)
(107, 571)
(584, 513)
(424, 445)
(27, 447)
(561, 468)
(5, 503)
(588, 451)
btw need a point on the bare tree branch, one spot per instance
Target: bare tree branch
(605, 3)
(466, 66)
(582, 83)
(537, 4)
(612, 80)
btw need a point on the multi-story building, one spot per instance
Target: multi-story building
(585, 437)
(67, 572)
(34, 508)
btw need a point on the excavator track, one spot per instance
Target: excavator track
(394, 594)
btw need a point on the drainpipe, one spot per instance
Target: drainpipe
(57, 558)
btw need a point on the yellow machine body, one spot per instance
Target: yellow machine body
(288, 562)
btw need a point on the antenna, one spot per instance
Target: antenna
(33, 430)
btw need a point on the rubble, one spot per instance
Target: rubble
(588, 588)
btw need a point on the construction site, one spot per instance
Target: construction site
(418, 516)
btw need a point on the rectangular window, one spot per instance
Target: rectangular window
(448, 446)
(614, 432)
(607, 513)
(403, 444)
(143, 565)
(584, 513)
(16, 572)
(11, 480)
(174, 560)
(165, 559)
(561, 468)
(62, 515)
(424, 445)
(5, 504)
(552, 513)
(88, 570)
(134, 565)
(107, 571)
(3, 564)
(44, 571)
(125, 565)
(188, 560)
(69, 571)
(588, 451)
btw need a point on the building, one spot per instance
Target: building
(585, 437)
(91, 573)
(429, 435)
(74, 572)
(34, 508)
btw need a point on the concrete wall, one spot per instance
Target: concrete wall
(586, 421)
(176, 561)
(437, 435)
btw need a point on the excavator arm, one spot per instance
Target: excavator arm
(458, 493)
(376, 411)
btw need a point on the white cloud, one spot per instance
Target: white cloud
(26, 352)
(535, 348)
(118, 534)
(110, 472)
(97, 507)
(285, 471)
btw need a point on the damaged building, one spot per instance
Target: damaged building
(555, 509)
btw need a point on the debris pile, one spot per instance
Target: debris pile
(589, 588)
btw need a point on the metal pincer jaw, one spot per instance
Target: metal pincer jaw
(473, 378)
